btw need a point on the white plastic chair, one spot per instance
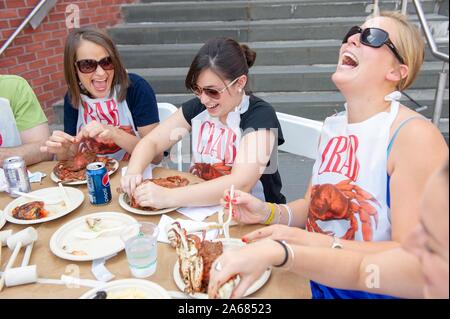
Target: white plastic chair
(165, 110)
(301, 135)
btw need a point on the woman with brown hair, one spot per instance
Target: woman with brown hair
(233, 134)
(373, 162)
(103, 102)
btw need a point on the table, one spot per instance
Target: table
(282, 284)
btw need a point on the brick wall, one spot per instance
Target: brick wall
(37, 55)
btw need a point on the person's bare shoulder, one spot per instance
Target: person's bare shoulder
(419, 138)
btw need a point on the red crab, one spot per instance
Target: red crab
(210, 171)
(342, 201)
(168, 182)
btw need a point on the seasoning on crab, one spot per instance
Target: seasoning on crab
(30, 211)
(168, 182)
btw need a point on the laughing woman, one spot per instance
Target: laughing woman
(373, 162)
(103, 102)
(233, 134)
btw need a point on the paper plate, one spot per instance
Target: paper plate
(55, 211)
(228, 243)
(123, 203)
(66, 245)
(2, 219)
(129, 289)
(114, 169)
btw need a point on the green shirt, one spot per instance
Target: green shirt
(24, 104)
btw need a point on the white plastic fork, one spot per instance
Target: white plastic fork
(64, 195)
(226, 225)
(40, 198)
(95, 234)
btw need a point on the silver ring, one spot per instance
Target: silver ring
(218, 266)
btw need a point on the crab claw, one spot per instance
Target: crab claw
(174, 234)
(225, 291)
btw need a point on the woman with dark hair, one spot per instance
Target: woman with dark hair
(103, 101)
(233, 134)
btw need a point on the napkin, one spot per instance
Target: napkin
(100, 271)
(35, 177)
(199, 213)
(147, 171)
(166, 221)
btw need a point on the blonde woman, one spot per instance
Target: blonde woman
(373, 162)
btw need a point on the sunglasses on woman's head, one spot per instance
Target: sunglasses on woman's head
(90, 65)
(210, 92)
(375, 38)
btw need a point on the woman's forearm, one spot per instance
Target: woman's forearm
(311, 239)
(207, 193)
(393, 272)
(125, 140)
(143, 154)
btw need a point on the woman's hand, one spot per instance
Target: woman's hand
(249, 262)
(129, 182)
(100, 132)
(292, 235)
(247, 209)
(61, 143)
(152, 195)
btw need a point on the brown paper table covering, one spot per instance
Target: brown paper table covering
(281, 284)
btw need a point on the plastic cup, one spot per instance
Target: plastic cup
(141, 250)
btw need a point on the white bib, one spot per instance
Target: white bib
(107, 111)
(216, 144)
(349, 181)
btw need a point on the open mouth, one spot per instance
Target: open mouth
(212, 108)
(100, 85)
(349, 60)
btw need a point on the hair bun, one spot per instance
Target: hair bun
(250, 55)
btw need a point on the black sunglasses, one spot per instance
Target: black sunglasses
(210, 92)
(375, 38)
(90, 65)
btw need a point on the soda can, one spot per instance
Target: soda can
(98, 183)
(16, 175)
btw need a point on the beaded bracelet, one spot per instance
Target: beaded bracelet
(289, 211)
(279, 213)
(272, 214)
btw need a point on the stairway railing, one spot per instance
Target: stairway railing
(440, 91)
(30, 16)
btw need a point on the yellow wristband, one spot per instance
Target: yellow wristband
(272, 214)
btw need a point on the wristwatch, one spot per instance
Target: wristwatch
(337, 243)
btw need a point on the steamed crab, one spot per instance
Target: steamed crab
(75, 168)
(168, 182)
(195, 257)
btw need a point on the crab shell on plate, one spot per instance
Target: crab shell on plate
(195, 258)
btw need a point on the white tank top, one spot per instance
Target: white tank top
(107, 111)
(348, 194)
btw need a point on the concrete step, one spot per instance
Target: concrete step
(318, 105)
(312, 105)
(306, 52)
(243, 31)
(284, 78)
(254, 10)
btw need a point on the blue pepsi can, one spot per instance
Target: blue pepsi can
(98, 183)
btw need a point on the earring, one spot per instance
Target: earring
(82, 88)
(240, 90)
